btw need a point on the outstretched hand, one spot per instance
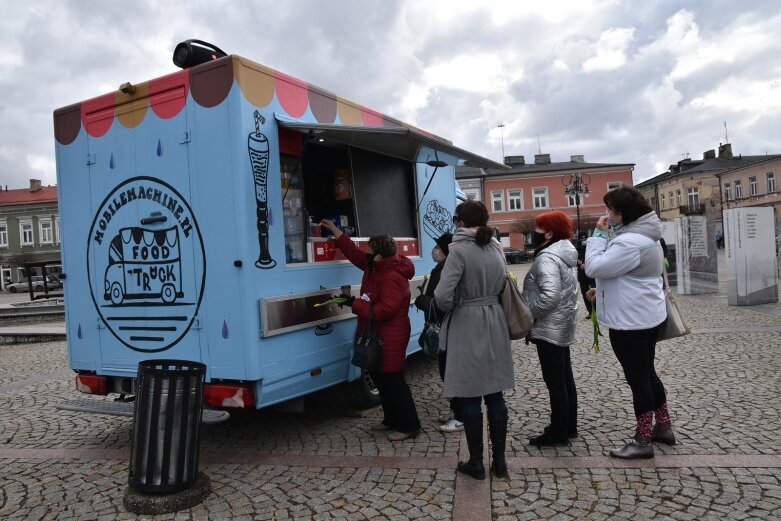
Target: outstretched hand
(329, 225)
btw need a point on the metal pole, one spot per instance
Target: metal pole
(577, 211)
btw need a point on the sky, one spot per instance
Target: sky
(618, 81)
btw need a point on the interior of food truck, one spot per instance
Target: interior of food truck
(364, 192)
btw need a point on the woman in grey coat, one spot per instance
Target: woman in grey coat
(551, 290)
(474, 333)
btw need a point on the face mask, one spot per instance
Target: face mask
(437, 255)
(538, 238)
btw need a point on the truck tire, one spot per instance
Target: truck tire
(117, 295)
(362, 393)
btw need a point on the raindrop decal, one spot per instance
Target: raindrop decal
(111, 162)
(270, 217)
(78, 333)
(225, 333)
(159, 149)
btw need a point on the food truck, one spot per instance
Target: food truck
(188, 207)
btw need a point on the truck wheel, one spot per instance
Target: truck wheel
(116, 294)
(168, 293)
(362, 393)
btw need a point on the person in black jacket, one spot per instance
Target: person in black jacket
(584, 280)
(450, 421)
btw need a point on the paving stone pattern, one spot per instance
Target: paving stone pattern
(723, 389)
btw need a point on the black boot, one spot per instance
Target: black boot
(663, 433)
(497, 427)
(473, 428)
(638, 447)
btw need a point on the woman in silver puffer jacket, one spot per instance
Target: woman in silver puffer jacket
(551, 290)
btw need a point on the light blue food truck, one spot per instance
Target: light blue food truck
(187, 205)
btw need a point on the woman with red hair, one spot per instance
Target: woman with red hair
(551, 290)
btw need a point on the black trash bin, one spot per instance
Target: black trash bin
(166, 426)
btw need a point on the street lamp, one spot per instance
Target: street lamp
(576, 184)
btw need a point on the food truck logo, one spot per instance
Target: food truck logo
(146, 264)
(437, 219)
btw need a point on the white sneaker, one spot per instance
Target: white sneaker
(452, 426)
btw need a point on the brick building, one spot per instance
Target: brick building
(516, 195)
(29, 230)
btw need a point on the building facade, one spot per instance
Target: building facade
(29, 231)
(515, 196)
(754, 185)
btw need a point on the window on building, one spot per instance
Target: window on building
(497, 201)
(45, 232)
(540, 197)
(770, 179)
(3, 233)
(738, 189)
(672, 201)
(693, 197)
(572, 200)
(515, 199)
(57, 230)
(26, 232)
(664, 204)
(678, 194)
(727, 192)
(613, 184)
(752, 185)
(471, 195)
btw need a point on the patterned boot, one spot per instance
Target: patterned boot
(639, 447)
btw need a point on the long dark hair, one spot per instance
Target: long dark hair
(627, 201)
(475, 214)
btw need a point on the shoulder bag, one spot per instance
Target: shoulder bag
(429, 338)
(367, 352)
(516, 311)
(674, 326)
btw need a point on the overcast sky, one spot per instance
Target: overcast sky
(620, 81)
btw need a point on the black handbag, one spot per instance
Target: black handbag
(367, 352)
(429, 337)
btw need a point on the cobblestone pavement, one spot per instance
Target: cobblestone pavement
(723, 388)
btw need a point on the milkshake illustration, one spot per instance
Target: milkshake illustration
(257, 146)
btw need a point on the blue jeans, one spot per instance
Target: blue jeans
(493, 402)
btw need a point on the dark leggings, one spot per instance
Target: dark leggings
(635, 351)
(493, 402)
(397, 403)
(556, 366)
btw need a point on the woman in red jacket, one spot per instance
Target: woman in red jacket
(385, 285)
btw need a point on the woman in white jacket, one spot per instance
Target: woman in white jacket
(630, 301)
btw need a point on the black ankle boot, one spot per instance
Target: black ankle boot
(663, 433)
(473, 428)
(638, 447)
(497, 427)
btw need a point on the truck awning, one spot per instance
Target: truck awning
(399, 142)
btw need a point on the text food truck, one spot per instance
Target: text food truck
(187, 206)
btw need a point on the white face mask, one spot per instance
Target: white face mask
(437, 254)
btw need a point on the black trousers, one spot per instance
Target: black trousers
(586, 283)
(453, 401)
(636, 351)
(556, 367)
(398, 406)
